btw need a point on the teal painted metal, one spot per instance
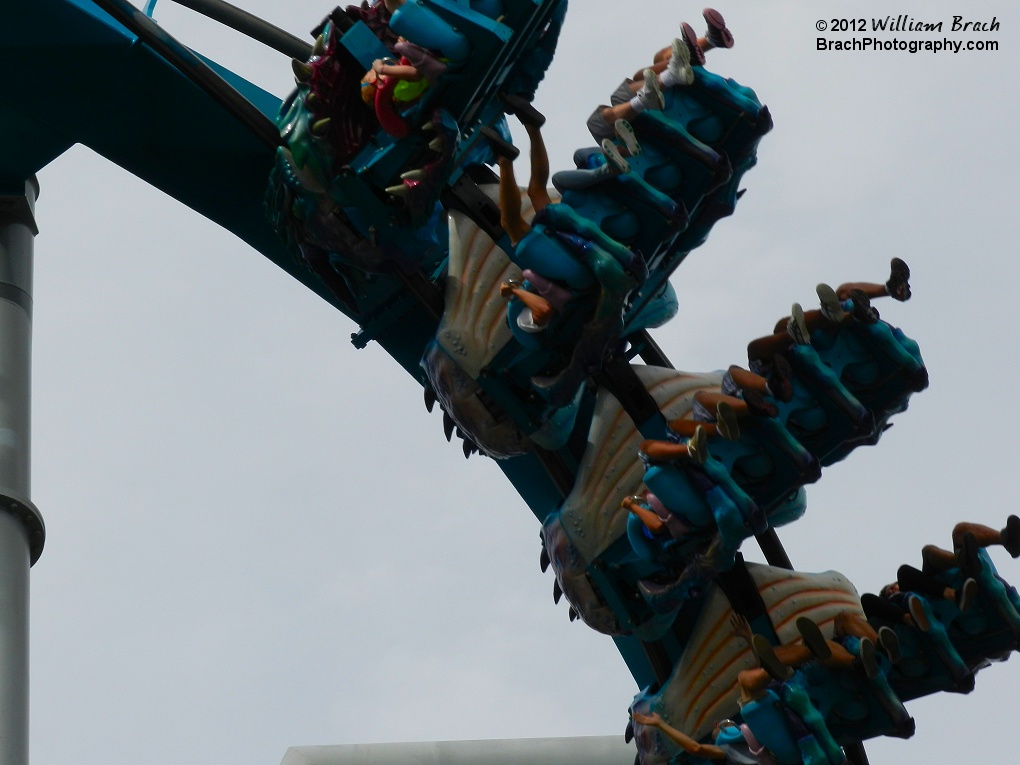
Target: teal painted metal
(207, 159)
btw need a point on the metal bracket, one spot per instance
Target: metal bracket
(19, 203)
(30, 518)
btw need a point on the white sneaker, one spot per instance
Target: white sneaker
(651, 94)
(697, 446)
(679, 66)
(726, 421)
(832, 308)
(796, 327)
(614, 159)
(625, 132)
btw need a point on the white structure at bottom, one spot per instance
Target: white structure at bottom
(586, 750)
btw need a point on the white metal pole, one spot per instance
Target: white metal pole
(21, 527)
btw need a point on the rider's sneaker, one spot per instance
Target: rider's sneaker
(916, 608)
(863, 311)
(814, 639)
(650, 94)
(966, 594)
(679, 66)
(781, 378)
(832, 306)
(766, 656)
(614, 159)
(890, 644)
(523, 108)
(796, 327)
(625, 132)
(1011, 536)
(697, 446)
(967, 556)
(726, 421)
(867, 658)
(718, 35)
(498, 144)
(690, 38)
(898, 285)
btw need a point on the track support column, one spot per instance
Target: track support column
(21, 527)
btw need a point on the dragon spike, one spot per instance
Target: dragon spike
(430, 398)
(414, 175)
(429, 127)
(320, 45)
(312, 100)
(448, 425)
(557, 591)
(437, 144)
(400, 190)
(543, 560)
(302, 71)
(321, 127)
(467, 449)
(572, 613)
(628, 734)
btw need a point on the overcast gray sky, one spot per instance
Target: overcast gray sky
(257, 538)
